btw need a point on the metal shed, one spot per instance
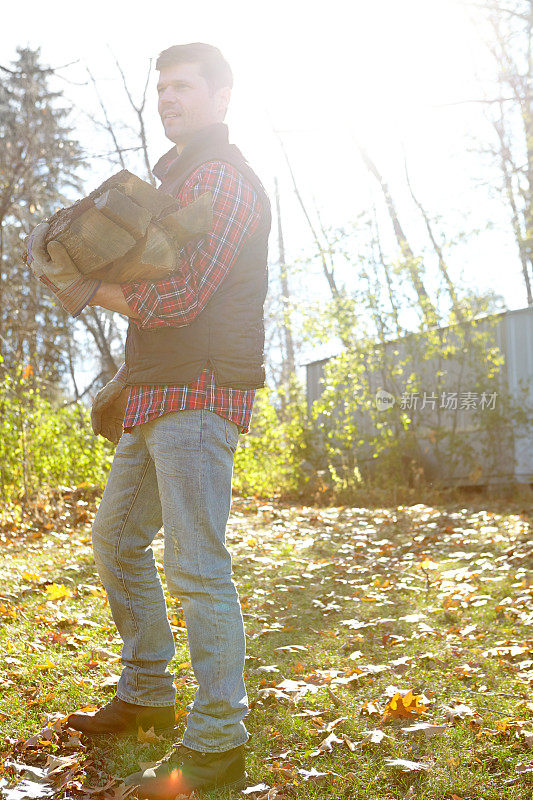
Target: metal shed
(511, 459)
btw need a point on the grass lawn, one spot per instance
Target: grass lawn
(389, 651)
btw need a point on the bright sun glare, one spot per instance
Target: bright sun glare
(388, 75)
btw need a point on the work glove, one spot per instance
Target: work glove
(55, 269)
(108, 410)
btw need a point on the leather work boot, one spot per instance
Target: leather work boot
(185, 770)
(117, 716)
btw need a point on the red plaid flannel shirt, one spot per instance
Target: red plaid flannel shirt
(178, 299)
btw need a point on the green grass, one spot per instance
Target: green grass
(302, 573)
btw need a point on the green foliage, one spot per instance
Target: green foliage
(44, 444)
(452, 421)
(270, 458)
(452, 417)
(419, 392)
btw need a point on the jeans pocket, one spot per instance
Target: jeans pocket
(232, 434)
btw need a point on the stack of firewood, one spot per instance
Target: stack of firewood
(127, 230)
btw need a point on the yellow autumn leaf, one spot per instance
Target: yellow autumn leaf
(57, 591)
(48, 665)
(97, 591)
(30, 576)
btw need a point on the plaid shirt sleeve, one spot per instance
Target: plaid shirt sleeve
(121, 373)
(178, 299)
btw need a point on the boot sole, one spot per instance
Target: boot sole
(126, 733)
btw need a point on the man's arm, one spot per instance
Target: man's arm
(178, 299)
(111, 296)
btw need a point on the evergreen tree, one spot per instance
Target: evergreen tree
(39, 163)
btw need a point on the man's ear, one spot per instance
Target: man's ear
(223, 98)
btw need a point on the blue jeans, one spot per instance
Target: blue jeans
(176, 471)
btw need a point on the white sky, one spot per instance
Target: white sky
(387, 73)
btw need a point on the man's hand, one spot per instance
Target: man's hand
(108, 410)
(55, 268)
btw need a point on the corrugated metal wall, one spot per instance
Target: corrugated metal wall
(516, 330)
(508, 455)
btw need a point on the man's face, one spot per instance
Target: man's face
(185, 105)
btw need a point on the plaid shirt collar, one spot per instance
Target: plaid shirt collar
(217, 133)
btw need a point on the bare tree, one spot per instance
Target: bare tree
(327, 264)
(341, 302)
(509, 39)
(102, 326)
(443, 267)
(412, 265)
(139, 112)
(286, 326)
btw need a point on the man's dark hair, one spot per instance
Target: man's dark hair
(213, 66)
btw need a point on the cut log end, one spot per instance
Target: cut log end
(127, 230)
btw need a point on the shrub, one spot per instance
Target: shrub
(44, 443)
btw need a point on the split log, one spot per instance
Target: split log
(187, 222)
(154, 256)
(128, 230)
(120, 209)
(91, 239)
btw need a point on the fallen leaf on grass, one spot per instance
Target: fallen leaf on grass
(336, 700)
(324, 727)
(110, 682)
(57, 591)
(312, 774)
(466, 671)
(374, 736)
(272, 794)
(461, 711)
(523, 768)
(98, 789)
(326, 745)
(288, 689)
(149, 736)
(74, 743)
(523, 704)
(122, 791)
(426, 727)
(404, 705)
(104, 655)
(348, 742)
(47, 666)
(84, 710)
(508, 651)
(406, 766)
(527, 735)
(36, 741)
(56, 764)
(401, 665)
(278, 756)
(370, 709)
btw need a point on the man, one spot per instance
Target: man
(193, 359)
